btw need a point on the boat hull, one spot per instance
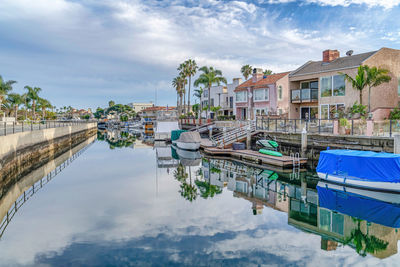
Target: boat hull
(362, 184)
(187, 146)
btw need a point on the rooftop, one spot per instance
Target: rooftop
(269, 79)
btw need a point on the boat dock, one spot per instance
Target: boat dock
(252, 156)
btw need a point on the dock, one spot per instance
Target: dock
(252, 156)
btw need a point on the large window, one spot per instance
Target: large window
(326, 86)
(309, 85)
(261, 94)
(241, 96)
(333, 86)
(328, 111)
(280, 92)
(205, 93)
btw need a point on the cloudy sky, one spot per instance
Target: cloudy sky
(86, 52)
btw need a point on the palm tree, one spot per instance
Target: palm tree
(268, 72)
(33, 94)
(208, 78)
(27, 101)
(191, 69)
(5, 88)
(198, 93)
(246, 71)
(359, 82)
(178, 83)
(44, 104)
(375, 76)
(183, 73)
(15, 100)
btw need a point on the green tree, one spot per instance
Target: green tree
(375, 77)
(44, 104)
(198, 93)
(183, 72)
(15, 100)
(208, 78)
(246, 71)
(111, 103)
(178, 84)
(268, 72)
(33, 94)
(359, 82)
(5, 88)
(191, 69)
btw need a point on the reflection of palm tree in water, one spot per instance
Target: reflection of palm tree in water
(206, 188)
(365, 243)
(188, 191)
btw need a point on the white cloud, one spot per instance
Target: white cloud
(369, 3)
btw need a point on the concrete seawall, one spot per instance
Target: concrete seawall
(21, 151)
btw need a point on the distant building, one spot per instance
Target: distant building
(222, 96)
(151, 112)
(137, 107)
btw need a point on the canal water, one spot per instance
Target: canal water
(122, 201)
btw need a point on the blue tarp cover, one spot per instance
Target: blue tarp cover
(360, 207)
(363, 165)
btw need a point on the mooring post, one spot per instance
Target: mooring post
(396, 146)
(303, 142)
(248, 140)
(210, 129)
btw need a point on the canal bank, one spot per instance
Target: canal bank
(22, 151)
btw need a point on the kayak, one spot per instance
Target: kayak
(270, 152)
(268, 143)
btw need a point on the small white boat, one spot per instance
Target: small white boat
(360, 169)
(188, 141)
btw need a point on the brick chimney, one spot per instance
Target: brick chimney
(257, 74)
(329, 55)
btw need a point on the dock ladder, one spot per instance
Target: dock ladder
(295, 157)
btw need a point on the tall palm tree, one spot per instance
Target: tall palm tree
(246, 71)
(44, 104)
(5, 88)
(177, 83)
(208, 78)
(359, 82)
(27, 101)
(184, 74)
(15, 100)
(375, 77)
(191, 69)
(198, 93)
(33, 94)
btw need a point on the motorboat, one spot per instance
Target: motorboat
(377, 171)
(377, 207)
(186, 157)
(186, 140)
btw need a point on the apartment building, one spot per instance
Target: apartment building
(263, 95)
(318, 90)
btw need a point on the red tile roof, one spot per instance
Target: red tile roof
(270, 79)
(157, 108)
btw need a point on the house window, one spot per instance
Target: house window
(324, 112)
(205, 93)
(328, 110)
(212, 102)
(338, 85)
(326, 86)
(261, 94)
(231, 101)
(280, 92)
(241, 96)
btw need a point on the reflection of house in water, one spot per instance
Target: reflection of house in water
(164, 156)
(300, 199)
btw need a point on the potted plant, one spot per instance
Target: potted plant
(344, 126)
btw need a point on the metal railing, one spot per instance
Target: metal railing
(23, 198)
(7, 128)
(304, 95)
(294, 125)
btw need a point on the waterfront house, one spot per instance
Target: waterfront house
(263, 95)
(319, 91)
(137, 107)
(151, 112)
(222, 96)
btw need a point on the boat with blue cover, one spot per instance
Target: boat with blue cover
(361, 169)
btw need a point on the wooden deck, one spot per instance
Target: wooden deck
(249, 155)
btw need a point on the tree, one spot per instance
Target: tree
(191, 69)
(5, 88)
(27, 101)
(33, 94)
(198, 93)
(208, 78)
(268, 72)
(375, 77)
(359, 82)
(15, 100)
(178, 83)
(111, 103)
(44, 104)
(183, 73)
(246, 71)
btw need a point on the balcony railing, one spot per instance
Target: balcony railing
(304, 95)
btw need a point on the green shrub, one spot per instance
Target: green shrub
(358, 109)
(395, 114)
(344, 122)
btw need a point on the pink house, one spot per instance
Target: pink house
(262, 95)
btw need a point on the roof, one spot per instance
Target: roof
(270, 79)
(157, 108)
(340, 63)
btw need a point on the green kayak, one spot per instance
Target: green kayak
(268, 143)
(270, 152)
(270, 175)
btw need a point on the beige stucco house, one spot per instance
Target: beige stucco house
(319, 91)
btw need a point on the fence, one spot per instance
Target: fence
(7, 128)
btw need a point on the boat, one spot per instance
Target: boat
(270, 152)
(186, 140)
(101, 125)
(186, 157)
(378, 207)
(270, 144)
(360, 169)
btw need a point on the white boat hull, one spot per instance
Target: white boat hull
(187, 146)
(371, 185)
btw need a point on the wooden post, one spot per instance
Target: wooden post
(248, 139)
(303, 142)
